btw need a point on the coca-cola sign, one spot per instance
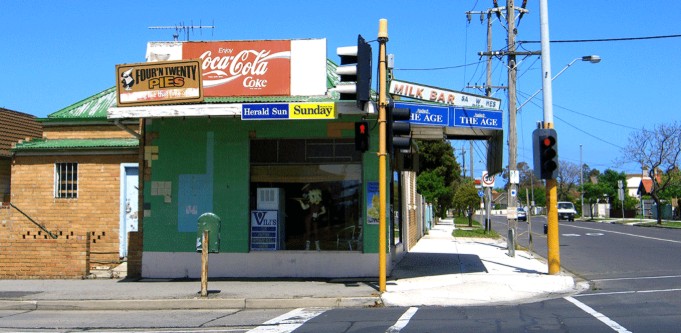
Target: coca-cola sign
(243, 68)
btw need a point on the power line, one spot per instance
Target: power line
(587, 115)
(603, 39)
(436, 68)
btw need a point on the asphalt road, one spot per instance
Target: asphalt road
(634, 272)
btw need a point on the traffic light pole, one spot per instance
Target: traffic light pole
(552, 238)
(382, 154)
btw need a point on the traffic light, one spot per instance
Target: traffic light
(355, 72)
(399, 129)
(545, 141)
(362, 136)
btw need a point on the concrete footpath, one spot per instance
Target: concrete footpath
(439, 271)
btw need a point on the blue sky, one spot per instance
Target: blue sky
(56, 53)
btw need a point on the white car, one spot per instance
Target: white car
(566, 211)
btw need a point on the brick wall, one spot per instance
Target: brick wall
(90, 132)
(94, 213)
(414, 233)
(35, 255)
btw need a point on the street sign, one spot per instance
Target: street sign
(481, 194)
(514, 177)
(487, 179)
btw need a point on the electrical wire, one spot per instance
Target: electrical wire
(603, 39)
(436, 68)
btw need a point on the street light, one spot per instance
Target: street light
(594, 59)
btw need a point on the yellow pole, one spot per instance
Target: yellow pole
(552, 234)
(382, 188)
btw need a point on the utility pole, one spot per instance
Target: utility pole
(512, 135)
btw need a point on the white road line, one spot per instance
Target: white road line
(630, 292)
(403, 321)
(622, 233)
(611, 323)
(288, 321)
(640, 278)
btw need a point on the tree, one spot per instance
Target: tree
(593, 192)
(659, 151)
(467, 199)
(438, 174)
(568, 180)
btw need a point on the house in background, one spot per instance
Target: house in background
(73, 194)
(14, 127)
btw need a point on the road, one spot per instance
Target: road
(634, 273)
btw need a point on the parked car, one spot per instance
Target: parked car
(566, 211)
(522, 214)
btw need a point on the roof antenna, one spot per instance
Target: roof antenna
(185, 29)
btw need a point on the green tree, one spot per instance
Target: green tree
(438, 175)
(466, 199)
(593, 192)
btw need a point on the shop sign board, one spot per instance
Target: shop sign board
(436, 115)
(295, 67)
(264, 230)
(443, 96)
(477, 118)
(162, 82)
(426, 114)
(243, 68)
(280, 111)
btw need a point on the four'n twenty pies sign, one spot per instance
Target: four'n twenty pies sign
(164, 82)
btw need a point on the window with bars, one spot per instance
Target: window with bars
(66, 180)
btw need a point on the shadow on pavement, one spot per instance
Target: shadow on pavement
(415, 264)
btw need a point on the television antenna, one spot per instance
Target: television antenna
(184, 29)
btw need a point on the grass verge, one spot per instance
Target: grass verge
(461, 229)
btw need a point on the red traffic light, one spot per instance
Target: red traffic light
(549, 141)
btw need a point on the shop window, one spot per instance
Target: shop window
(316, 189)
(66, 180)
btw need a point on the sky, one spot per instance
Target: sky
(56, 53)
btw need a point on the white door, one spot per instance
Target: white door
(129, 207)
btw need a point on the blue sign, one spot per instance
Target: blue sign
(424, 114)
(436, 115)
(481, 194)
(477, 118)
(264, 111)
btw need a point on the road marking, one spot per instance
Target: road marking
(640, 278)
(624, 233)
(611, 323)
(630, 292)
(288, 321)
(571, 235)
(595, 234)
(403, 321)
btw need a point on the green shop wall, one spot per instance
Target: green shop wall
(202, 165)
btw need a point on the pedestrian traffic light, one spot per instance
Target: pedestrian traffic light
(545, 142)
(399, 129)
(362, 136)
(355, 72)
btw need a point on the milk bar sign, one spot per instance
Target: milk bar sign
(164, 82)
(443, 96)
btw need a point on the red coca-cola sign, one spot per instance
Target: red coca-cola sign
(243, 68)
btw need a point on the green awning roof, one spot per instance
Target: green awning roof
(75, 144)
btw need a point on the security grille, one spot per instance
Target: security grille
(66, 180)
